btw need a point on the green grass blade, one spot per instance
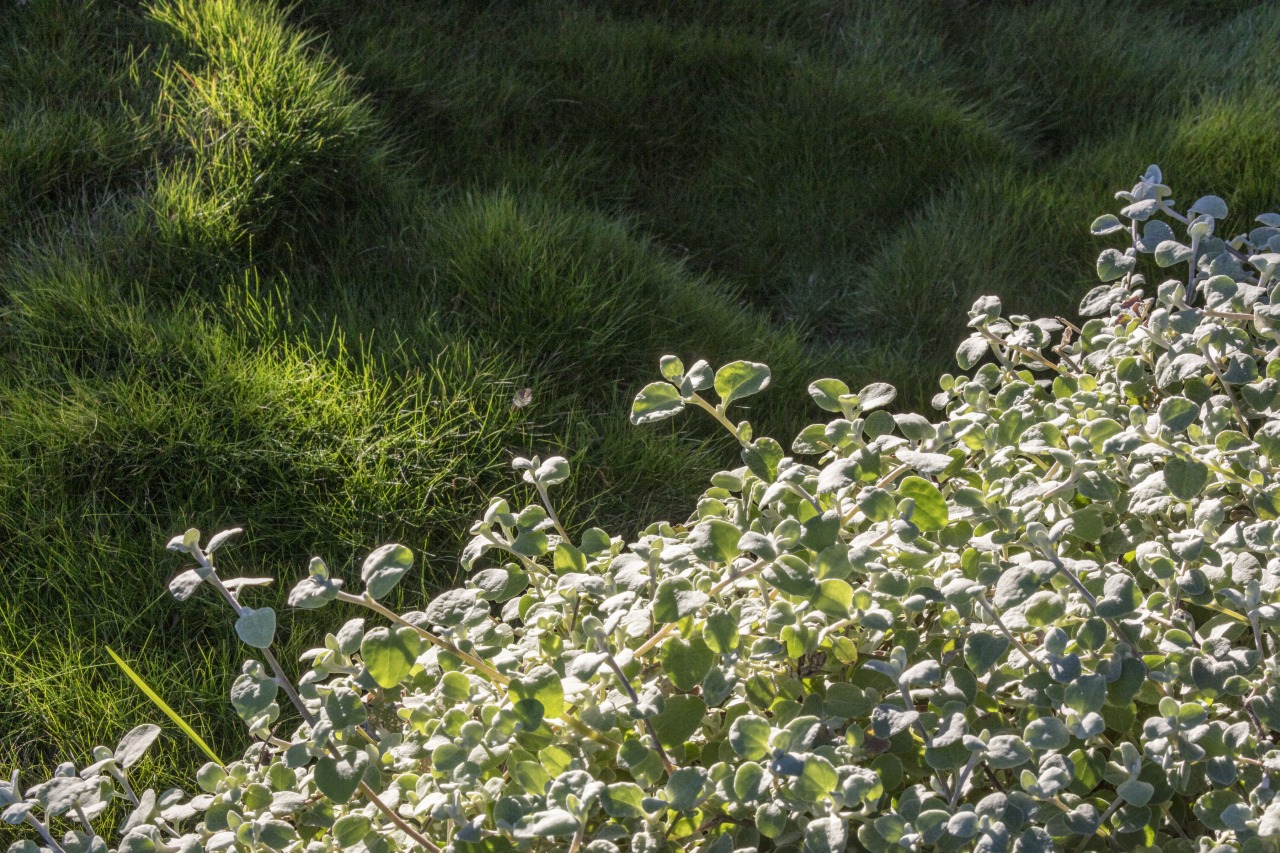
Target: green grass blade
(163, 706)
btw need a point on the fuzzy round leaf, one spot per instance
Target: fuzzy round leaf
(1047, 733)
(188, 541)
(135, 744)
(344, 707)
(383, 569)
(257, 628)
(930, 513)
(1177, 413)
(1005, 752)
(827, 393)
(1136, 792)
(655, 402)
(792, 575)
(1106, 224)
(720, 632)
(749, 737)
(389, 654)
(1209, 205)
(551, 472)
(817, 779)
(875, 395)
(622, 800)
(681, 718)
(349, 829)
(1113, 264)
(184, 585)
(1120, 597)
(715, 540)
(834, 598)
(684, 788)
(1043, 609)
(1186, 478)
(551, 823)
(740, 379)
(541, 684)
(450, 609)
(314, 592)
(972, 351)
(675, 599)
(252, 693)
(1171, 252)
(983, 650)
(338, 778)
(686, 662)
(826, 835)
(890, 720)
(771, 819)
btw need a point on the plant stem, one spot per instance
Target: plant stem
(1191, 268)
(44, 833)
(1031, 354)
(119, 776)
(1226, 389)
(1227, 315)
(551, 513)
(577, 837)
(892, 475)
(285, 684)
(364, 601)
(84, 819)
(718, 415)
(397, 820)
(991, 611)
(1071, 576)
(733, 578)
(962, 776)
(635, 700)
(797, 489)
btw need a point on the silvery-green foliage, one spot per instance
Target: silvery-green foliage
(1045, 621)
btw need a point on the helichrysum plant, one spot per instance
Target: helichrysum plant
(1046, 621)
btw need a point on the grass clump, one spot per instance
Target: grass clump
(261, 135)
(763, 164)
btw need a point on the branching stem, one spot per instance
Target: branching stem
(480, 666)
(1017, 644)
(551, 513)
(1226, 389)
(698, 400)
(284, 683)
(1031, 354)
(635, 700)
(733, 578)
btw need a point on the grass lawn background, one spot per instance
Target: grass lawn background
(285, 268)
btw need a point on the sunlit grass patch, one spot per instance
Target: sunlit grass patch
(260, 133)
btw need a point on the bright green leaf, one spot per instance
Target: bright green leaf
(931, 508)
(655, 402)
(740, 379)
(389, 655)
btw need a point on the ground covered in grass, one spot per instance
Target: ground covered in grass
(288, 269)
